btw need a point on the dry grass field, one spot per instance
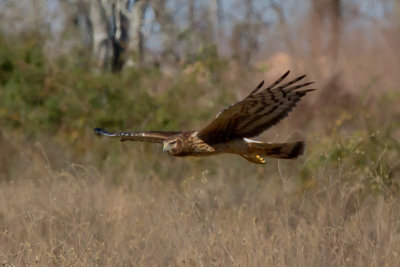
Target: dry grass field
(76, 217)
(69, 198)
(337, 206)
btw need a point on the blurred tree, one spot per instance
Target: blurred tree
(283, 25)
(191, 13)
(244, 39)
(168, 27)
(113, 29)
(326, 21)
(215, 20)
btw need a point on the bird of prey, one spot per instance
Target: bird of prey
(230, 130)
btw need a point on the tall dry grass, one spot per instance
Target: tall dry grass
(333, 207)
(76, 217)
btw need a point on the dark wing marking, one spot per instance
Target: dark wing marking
(148, 136)
(260, 110)
(272, 85)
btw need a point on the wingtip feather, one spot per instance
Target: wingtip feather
(98, 131)
(284, 75)
(257, 88)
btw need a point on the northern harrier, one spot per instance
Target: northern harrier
(229, 131)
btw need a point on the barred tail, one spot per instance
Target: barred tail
(279, 150)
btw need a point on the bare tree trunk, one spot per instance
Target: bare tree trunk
(326, 16)
(317, 14)
(100, 14)
(136, 43)
(214, 17)
(336, 24)
(244, 40)
(128, 37)
(326, 13)
(166, 22)
(284, 28)
(82, 21)
(115, 30)
(191, 14)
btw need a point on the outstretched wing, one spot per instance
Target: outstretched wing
(260, 110)
(149, 136)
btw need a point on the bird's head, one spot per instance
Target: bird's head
(173, 145)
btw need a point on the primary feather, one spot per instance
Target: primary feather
(260, 110)
(146, 136)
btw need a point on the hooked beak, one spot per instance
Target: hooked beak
(166, 147)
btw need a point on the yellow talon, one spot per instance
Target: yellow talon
(260, 159)
(254, 158)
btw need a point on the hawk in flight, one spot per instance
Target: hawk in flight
(230, 130)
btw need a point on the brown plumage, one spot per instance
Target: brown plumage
(229, 131)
